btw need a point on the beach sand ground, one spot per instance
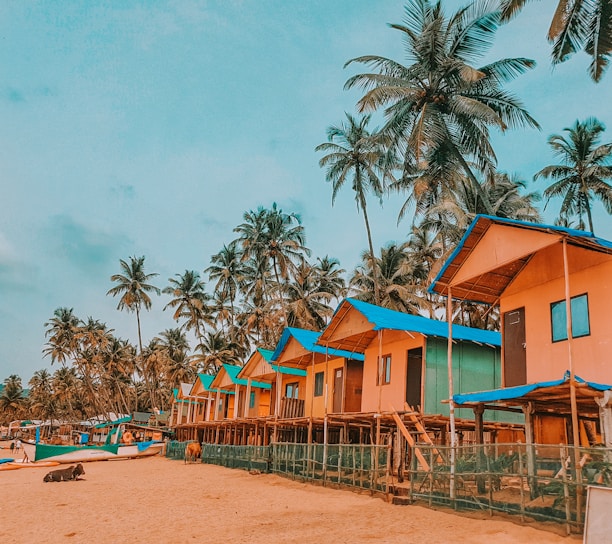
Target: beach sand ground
(159, 500)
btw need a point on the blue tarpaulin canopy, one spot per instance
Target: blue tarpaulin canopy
(519, 391)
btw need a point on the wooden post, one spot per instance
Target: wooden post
(479, 431)
(531, 468)
(572, 384)
(451, 402)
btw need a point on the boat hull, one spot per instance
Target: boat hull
(82, 454)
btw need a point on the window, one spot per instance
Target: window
(252, 400)
(220, 408)
(292, 390)
(318, 385)
(384, 370)
(580, 318)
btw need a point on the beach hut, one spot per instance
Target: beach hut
(231, 391)
(257, 369)
(322, 380)
(405, 357)
(182, 409)
(553, 289)
(204, 396)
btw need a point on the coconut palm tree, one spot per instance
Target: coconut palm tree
(583, 173)
(576, 25)
(272, 242)
(42, 404)
(307, 304)
(359, 156)
(227, 268)
(190, 301)
(134, 289)
(12, 402)
(399, 287)
(62, 333)
(216, 349)
(440, 107)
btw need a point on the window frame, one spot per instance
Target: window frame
(560, 335)
(295, 390)
(384, 365)
(319, 383)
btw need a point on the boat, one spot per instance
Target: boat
(36, 452)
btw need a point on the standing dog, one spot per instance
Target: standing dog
(65, 474)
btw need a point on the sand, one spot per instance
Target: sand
(158, 500)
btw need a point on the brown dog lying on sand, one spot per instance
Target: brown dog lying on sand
(65, 474)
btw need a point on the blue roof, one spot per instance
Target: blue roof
(308, 340)
(383, 318)
(232, 372)
(577, 236)
(206, 380)
(518, 391)
(289, 370)
(265, 353)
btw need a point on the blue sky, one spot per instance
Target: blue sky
(150, 127)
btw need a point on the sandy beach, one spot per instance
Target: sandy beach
(159, 500)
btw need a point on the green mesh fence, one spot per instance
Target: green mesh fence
(360, 466)
(244, 457)
(536, 481)
(176, 450)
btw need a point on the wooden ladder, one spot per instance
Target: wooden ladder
(423, 434)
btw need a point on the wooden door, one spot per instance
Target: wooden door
(353, 386)
(515, 348)
(414, 372)
(338, 383)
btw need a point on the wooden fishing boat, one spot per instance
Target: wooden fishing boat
(35, 452)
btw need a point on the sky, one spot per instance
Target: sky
(150, 127)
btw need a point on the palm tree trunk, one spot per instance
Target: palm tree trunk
(138, 321)
(372, 256)
(477, 187)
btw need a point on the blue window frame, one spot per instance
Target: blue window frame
(252, 400)
(580, 318)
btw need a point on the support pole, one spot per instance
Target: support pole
(451, 402)
(573, 403)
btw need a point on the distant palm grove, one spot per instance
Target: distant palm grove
(433, 150)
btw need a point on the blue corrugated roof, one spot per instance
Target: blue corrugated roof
(206, 380)
(288, 370)
(232, 372)
(308, 340)
(383, 318)
(266, 353)
(577, 235)
(518, 391)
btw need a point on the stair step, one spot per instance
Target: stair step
(401, 501)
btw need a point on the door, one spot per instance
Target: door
(515, 348)
(353, 386)
(338, 382)
(414, 372)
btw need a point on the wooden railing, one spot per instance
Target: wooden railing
(291, 408)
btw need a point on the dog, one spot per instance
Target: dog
(65, 474)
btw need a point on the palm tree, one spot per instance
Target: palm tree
(272, 241)
(216, 349)
(360, 156)
(11, 398)
(399, 287)
(133, 287)
(62, 331)
(190, 300)
(228, 270)
(308, 305)
(576, 25)
(583, 173)
(440, 107)
(41, 398)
